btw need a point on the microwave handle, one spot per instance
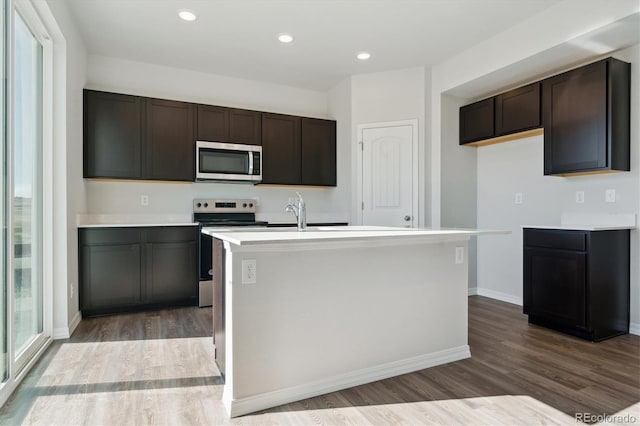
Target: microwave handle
(250, 163)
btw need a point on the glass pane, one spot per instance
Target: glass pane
(4, 360)
(219, 161)
(27, 186)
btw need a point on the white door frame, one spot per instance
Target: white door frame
(417, 220)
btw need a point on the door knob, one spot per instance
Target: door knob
(407, 218)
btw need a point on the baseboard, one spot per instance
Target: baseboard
(250, 404)
(473, 291)
(634, 328)
(66, 332)
(504, 297)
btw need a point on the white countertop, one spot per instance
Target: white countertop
(132, 220)
(258, 236)
(572, 221)
(133, 225)
(580, 227)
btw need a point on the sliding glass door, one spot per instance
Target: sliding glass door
(25, 190)
(4, 331)
(27, 187)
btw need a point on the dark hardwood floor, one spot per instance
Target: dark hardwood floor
(156, 368)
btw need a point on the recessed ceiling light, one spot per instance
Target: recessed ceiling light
(187, 15)
(285, 38)
(363, 56)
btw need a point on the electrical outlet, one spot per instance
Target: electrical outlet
(249, 271)
(579, 197)
(144, 200)
(459, 255)
(518, 198)
(71, 290)
(610, 196)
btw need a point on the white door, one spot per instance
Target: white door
(388, 182)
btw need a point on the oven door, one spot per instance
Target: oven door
(228, 162)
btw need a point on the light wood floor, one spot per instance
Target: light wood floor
(156, 368)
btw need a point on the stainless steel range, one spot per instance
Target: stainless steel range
(224, 213)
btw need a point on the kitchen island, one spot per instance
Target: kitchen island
(311, 312)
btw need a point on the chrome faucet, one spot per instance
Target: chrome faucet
(300, 210)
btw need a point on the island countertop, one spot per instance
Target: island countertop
(259, 236)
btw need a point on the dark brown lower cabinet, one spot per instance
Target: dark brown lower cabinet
(577, 282)
(218, 304)
(134, 268)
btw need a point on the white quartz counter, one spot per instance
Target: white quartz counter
(257, 236)
(132, 220)
(580, 227)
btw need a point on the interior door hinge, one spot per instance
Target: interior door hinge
(361, 146)
(363, 205)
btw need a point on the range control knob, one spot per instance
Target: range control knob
(244, 205)
(250, 204)
(206, 205)
(199, 204)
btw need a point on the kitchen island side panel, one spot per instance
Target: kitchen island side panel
(323, 313)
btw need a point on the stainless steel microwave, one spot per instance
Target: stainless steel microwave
(217, 161)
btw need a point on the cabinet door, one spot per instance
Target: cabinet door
(318, 152)
(110, 269)
(112, 135)
(171, 259)
(575, 120)
(476, 121)
(170, 145)
(245, 127)
(518, 110)
(213, 123)
(281, 156)
(555, 285)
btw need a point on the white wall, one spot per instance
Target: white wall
(143, 79)
(69, 188)
(459, 173)
(388, 96)
(507, 168)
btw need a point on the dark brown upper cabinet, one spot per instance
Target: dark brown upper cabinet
(170, 145)
(477, 121)
(245, 127)
(130, 137)
(318, 152)
(113, 135)
(213, 123)
(281, 149)
(220, 124)
(586, 114)
(518, 110)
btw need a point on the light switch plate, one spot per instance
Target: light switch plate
(518, 198)
(610, 196)
(459, 255)
(579, 197)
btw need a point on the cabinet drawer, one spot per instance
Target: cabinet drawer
(555, 239)
(109, 236)
(171, 234)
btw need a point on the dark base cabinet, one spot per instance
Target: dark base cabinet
(136, 268)
(577, 282)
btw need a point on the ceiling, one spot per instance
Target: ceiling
(238, 38)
